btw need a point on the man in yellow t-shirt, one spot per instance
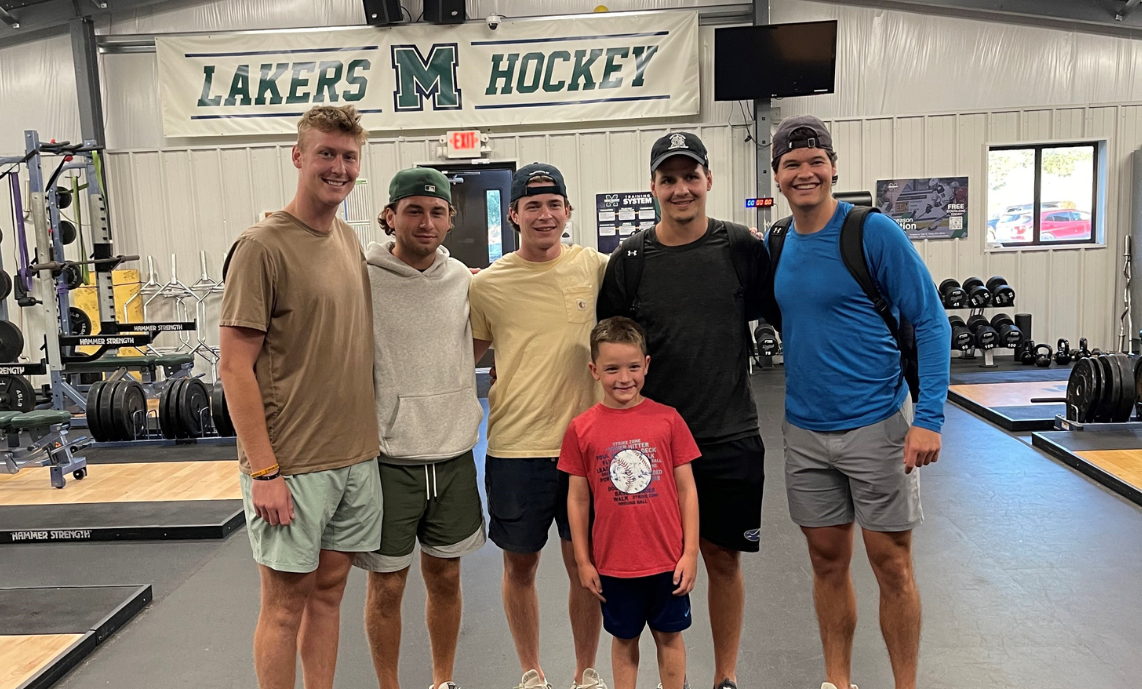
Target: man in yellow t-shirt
(537, 305)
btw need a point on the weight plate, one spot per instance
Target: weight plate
(218, 410)
(63, 198)
(1080, 389)
(67, 232)
(1125, 389)
(195, 401)
(16, 394)
(1138, 385)
(107, 410)
(11, 342)
(79, 320)
(164, 410)
(1111, 392)
(133, 413)
(180, 430)
(93, 425)
(73, 275)
(5, 284)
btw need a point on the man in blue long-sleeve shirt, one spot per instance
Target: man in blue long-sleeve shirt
(852, 442)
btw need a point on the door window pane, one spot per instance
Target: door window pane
(495, 229)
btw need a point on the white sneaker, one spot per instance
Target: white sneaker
(532, 680)
(591, 680)
(830, 685)
(445, 685)
(685, 684)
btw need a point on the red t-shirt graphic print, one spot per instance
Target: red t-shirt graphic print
(628, 457)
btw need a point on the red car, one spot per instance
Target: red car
(1056, 225)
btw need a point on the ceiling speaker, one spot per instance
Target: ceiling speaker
(382, 12)
(444, 11)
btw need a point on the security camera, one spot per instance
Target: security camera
(494, 21)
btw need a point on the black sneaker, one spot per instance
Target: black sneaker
(727, 683)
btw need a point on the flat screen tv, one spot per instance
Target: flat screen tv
(775, 61)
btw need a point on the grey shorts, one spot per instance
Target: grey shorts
(833, 476)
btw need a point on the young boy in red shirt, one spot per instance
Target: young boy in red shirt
(629, 458)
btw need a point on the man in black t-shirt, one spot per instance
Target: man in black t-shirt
(691, 301)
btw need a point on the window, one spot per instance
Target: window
(1042, 194)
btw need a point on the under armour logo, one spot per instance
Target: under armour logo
(677, 141)
(632, 252)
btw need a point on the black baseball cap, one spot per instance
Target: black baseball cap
(784, 141)
(677, 144)
(525, 174)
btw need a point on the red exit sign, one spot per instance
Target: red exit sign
(464, 144)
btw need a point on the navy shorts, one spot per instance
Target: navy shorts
(643, 601)
(524, 496)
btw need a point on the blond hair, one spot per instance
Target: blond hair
(331, 119)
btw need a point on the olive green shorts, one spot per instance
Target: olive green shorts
(337, 509)
(436, 504)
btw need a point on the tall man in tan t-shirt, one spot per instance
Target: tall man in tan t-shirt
(297, 347)
(537, 305)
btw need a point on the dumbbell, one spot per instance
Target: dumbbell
(1002, 294)
(952, 295)
(766, 336)
(1043, 355)
(978, 295)
(985, 335)
(1009, 335)
(1062, 352)
(962, 338)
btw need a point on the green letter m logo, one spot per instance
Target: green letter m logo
(419, 78)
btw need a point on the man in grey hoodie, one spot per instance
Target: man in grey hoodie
(429, 417)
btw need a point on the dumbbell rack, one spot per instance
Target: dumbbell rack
(987, 353)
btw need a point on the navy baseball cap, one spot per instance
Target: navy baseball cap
(678, 143)
(527, 173)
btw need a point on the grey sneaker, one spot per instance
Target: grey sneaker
(830, 685)
(591, 680)
(685, 684)
(446, 685)
(532, 680)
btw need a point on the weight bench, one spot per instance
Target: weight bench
(39, 438)
(172, 364)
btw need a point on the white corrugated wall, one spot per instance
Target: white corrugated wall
(1001, 82)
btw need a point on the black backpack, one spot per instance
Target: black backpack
(852, 253)
(632, 251)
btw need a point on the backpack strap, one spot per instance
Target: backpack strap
(777, 232)
(852, 253)
(740, 235)
(632, 251)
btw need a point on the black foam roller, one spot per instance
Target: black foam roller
(1023, 322)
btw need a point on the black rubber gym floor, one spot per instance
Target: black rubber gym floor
(1024, 374)
(1028, 572)
(50, 630)
(120, 521)
(189, 452)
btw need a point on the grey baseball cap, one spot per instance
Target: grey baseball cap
(784, 140)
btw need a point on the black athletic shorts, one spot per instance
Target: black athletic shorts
(730, 477)
(524, 496)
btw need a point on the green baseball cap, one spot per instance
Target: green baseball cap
(419, 181)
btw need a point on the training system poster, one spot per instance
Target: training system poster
(928, 208)
(618, 216)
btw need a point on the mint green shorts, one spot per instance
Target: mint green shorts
(337, 509)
